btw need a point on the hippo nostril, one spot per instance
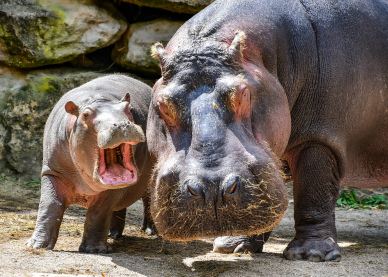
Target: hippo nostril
(194, 189)
(231, 186)
(232, 189)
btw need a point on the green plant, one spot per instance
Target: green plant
(350, 199)
(31, 184)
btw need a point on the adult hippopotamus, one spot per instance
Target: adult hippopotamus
(94, 155)
(246, 83)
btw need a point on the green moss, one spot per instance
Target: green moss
(58, 10)
(49, 34)
(44, 84)
(40, 35)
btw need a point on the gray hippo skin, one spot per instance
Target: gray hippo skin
(246, 83)
(94, 155)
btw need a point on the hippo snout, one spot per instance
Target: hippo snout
(226, 201)
(229, 190)
(118, 133)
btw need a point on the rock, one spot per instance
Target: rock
(40, 32)
(179, 6)
(26, 100)
(133, 50)
(10, 81)
(3, 134)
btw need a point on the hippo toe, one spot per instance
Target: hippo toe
(313, 250)
(240, 244)
(98, 247)
(40, 243)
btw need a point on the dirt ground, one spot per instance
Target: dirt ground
(363, 236)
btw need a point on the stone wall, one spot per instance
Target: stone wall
(48, 47)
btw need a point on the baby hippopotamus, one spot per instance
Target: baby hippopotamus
(94, 155)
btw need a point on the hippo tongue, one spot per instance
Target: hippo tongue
(117, 174)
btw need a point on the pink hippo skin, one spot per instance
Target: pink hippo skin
(94, 155)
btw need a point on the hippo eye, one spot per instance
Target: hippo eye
(168, 112)
(86, 114)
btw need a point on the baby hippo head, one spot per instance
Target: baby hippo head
(102, 142)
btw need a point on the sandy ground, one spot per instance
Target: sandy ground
(363, 236)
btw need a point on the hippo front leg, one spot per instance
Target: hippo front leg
(240, 244)
(96, 228)
(50, 214)
(316, 186)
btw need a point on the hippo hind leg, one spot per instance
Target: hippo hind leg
(240, 244)
(118, 221)
(316, 187)
(117, 224)
(148, 225)
(50, 214)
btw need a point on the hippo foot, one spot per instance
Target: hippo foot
(313, 250)
(35, 243)
(149, 228)
(240, 244)
(115, 234)
(101, 247)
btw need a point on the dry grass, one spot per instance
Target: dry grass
(19, 200)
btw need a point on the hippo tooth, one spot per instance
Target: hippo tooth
(102, 165)
(119, 155)
(111, 159)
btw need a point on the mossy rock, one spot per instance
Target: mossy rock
(41, 32)
(26, 101)
(179, 6)
(132, 51)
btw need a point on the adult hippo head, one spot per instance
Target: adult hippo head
(102, 137)
(217, 123)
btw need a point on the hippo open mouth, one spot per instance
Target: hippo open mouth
(115, 165)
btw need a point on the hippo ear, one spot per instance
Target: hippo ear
(157, 52)
(237, 46)
(72, 108)
(126, 98)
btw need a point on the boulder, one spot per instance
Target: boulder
(26, 100)
(10, 80)
(41, 32)
(133, 51)
(179, 6)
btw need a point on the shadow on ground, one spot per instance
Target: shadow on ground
(362, 234)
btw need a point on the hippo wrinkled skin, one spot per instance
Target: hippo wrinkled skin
(246, 83)
(94, 155)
